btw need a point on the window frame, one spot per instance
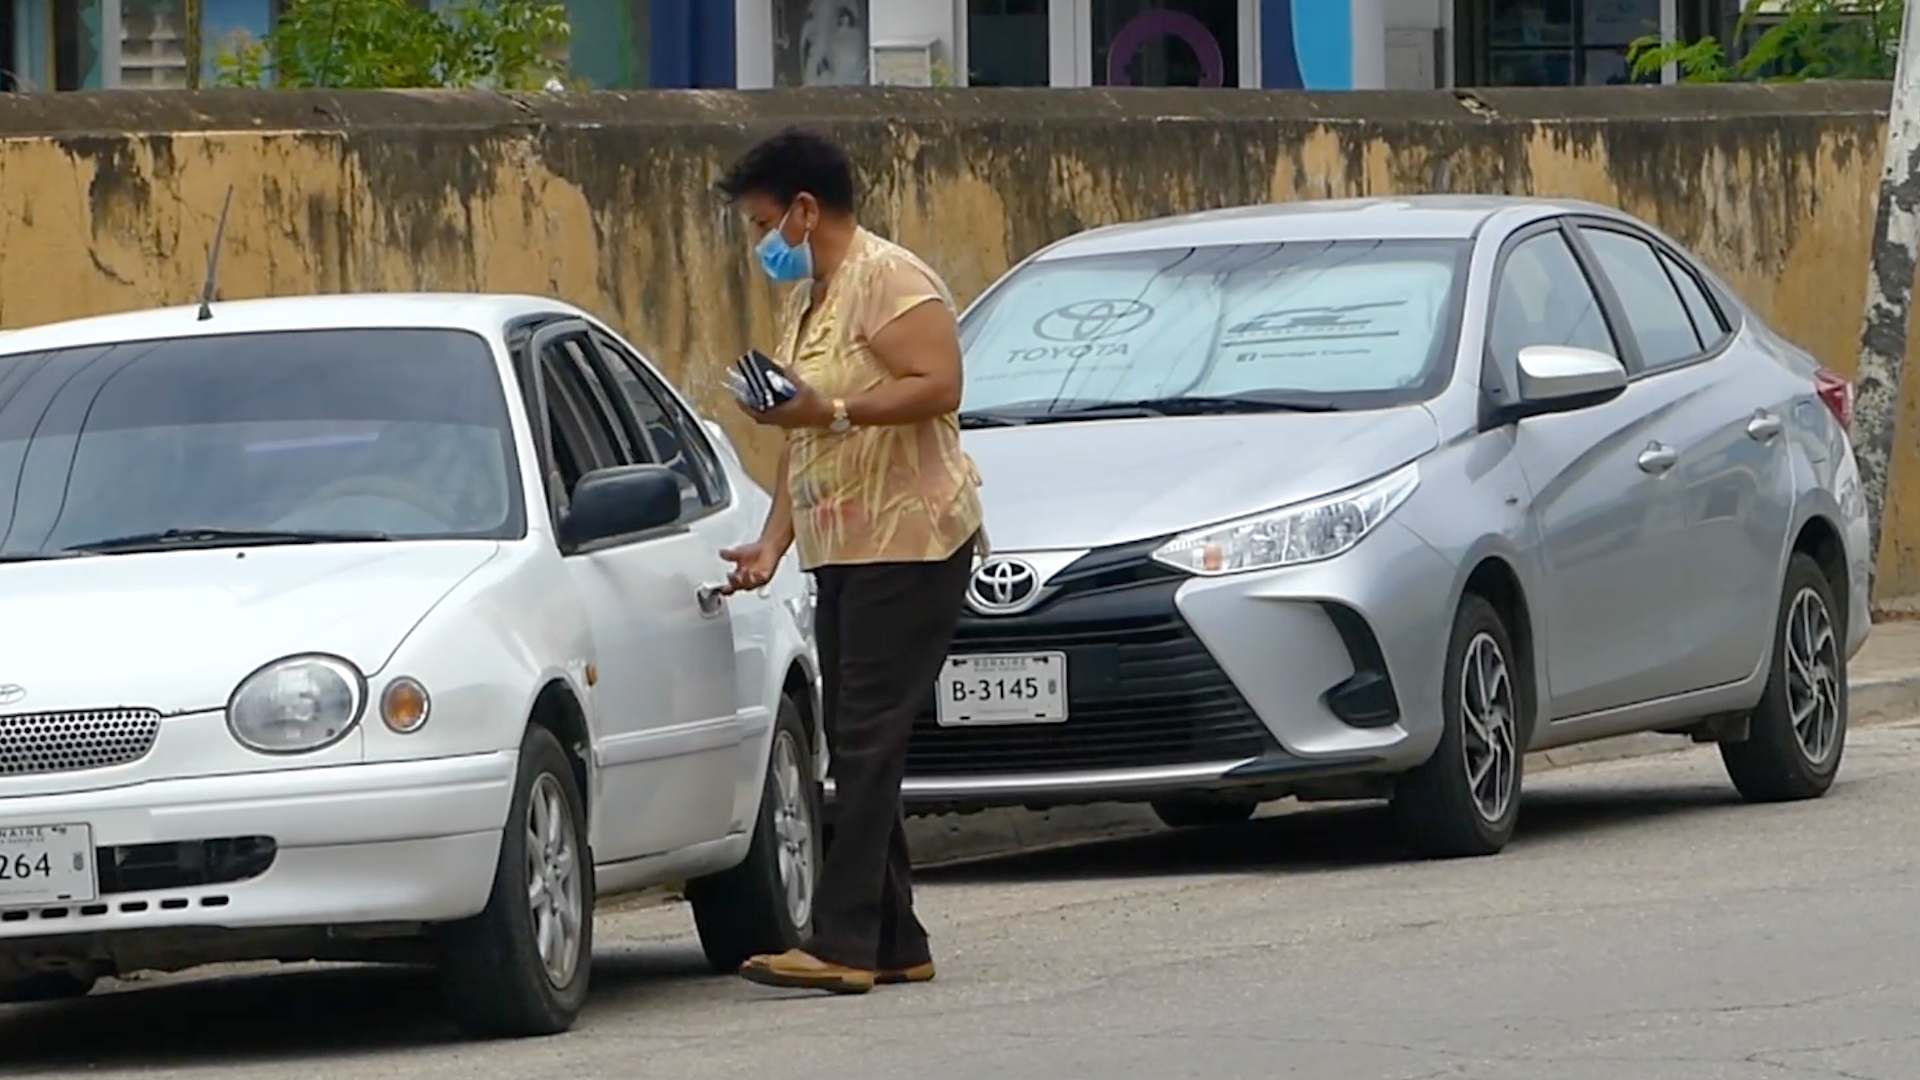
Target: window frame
(1496, 391)
(716, 490)
(1639, 369)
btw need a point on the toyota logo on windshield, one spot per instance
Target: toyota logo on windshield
(11, 692)
(1001, 586)
(1092, 320)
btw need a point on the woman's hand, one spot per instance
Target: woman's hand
(753, 566)
(806, 409)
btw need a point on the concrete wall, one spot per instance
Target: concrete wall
(108, 201)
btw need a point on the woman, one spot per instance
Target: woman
(884, 505)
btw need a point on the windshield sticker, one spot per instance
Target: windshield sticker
(1345, 322)
(1092, 320)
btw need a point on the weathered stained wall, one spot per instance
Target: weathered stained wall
(108, 201)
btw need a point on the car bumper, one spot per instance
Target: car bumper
(392, 842)
(1178, 684)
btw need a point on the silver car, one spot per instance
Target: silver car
(1363, 499)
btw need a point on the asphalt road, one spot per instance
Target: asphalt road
(1646, 925)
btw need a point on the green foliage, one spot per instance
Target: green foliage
(1796, 40)
(395, 44)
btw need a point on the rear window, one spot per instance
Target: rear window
(1348, 323)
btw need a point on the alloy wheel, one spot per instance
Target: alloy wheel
(553, 880)
(793, 829)
(1813, 681)
(1490, 742)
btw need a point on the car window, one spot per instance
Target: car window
(1707, 324)
(1654, 312)
(590, 380)
(1348, 324)
(584, 439)
(1544, 298)
(676, 437)
(398, 431)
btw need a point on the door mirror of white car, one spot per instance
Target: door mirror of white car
(1562, 378)
(618, 502)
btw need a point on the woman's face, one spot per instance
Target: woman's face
(764, 213)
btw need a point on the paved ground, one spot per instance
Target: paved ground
(1646, 926)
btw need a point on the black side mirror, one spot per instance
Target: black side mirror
(620, 501)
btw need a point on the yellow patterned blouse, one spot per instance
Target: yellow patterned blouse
(902, 493)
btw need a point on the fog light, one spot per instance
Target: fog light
(404, 706)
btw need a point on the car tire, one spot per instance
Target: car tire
(1189, 813)
(48, 986)
(1465, 799)
(1782, 759)
(497, 977)
(765, 904)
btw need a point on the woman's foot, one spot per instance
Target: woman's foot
(797, 969)
(918, 973)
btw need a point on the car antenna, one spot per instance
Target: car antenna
(213, 259)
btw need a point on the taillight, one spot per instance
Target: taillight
(1836, 394)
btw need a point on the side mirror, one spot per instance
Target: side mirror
(1563, 378)
(620, 501)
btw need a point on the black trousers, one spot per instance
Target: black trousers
(883, 631)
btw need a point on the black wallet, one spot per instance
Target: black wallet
(759, 383)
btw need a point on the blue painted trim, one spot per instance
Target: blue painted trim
(1279, 60)
(1323, 32)
(692, 45)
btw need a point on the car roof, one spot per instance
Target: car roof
(1403, 217)
(481, 313)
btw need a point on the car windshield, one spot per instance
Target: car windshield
(310, 434)
(1310, 325)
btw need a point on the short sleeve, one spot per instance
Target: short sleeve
(898, 286)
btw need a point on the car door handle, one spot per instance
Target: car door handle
(1657, 459)
(712, 598)
(1764, 426)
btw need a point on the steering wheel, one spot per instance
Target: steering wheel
(385, 487)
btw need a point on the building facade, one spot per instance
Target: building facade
(1275, 44)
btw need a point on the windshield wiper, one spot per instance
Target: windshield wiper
(971, 420)
(1189, 406)
(34, 556)
(212, 537)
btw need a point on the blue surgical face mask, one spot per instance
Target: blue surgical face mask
(785, 263)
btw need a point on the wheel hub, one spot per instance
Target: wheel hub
(1813, 684)
(1490, 739)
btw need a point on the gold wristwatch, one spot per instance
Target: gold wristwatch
(841, 422)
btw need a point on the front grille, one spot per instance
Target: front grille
(1142, 691)
(57, 742)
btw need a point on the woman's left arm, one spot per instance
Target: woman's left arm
(921, 350)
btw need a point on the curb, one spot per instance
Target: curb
(953, 838)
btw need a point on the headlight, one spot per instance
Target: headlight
(1301, 533)
(297, 705)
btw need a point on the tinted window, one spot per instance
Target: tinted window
(403, 432)
(1544, 298)
(1657, 319)
(1706, 321)
(1354, 324)
(674, 434)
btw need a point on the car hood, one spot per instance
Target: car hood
(177, 630)
(1087, 484)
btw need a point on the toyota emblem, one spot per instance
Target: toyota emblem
(1002, 586)
(11, 692)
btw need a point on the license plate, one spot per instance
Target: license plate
(1026, 688)
(42, 865)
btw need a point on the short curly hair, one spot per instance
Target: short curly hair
(794, 161)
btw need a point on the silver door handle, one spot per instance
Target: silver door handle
(712, 598)
(1764, 427)
(1657, 459)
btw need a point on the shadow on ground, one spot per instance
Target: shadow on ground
(1325, 838)
(330, 1012)
(309, 1012)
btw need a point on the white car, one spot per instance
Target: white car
(383, 628)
